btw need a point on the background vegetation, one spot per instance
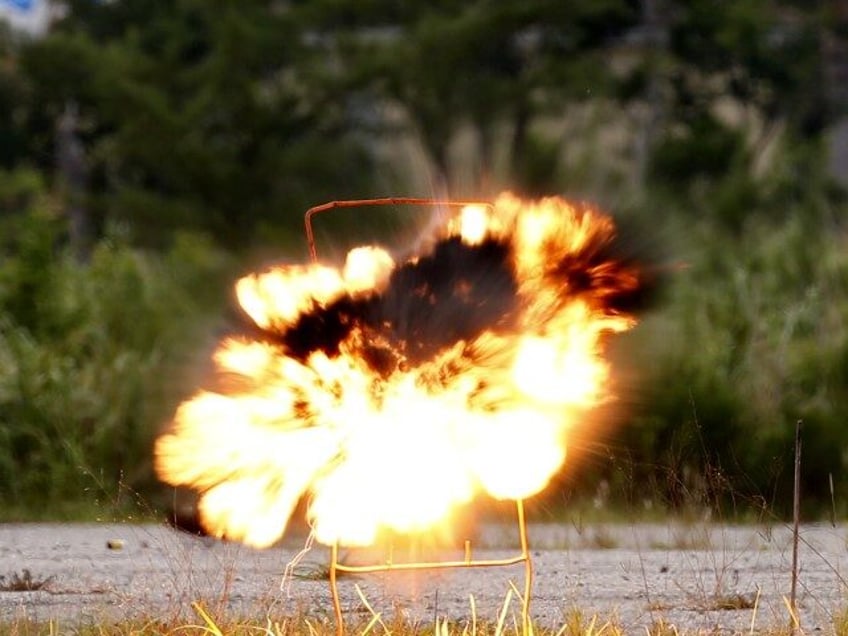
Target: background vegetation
(151, 150)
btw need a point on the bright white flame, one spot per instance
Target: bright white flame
(277, 299)
(400, 446)
(367, 269)
(474, 224)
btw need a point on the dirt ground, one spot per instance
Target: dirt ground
(708, 578)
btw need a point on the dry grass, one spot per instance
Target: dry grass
(508, 623)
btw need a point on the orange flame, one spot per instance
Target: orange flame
(401, 444)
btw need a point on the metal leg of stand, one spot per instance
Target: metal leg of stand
(334, 589)
(528, 569)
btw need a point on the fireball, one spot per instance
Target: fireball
(389, 392)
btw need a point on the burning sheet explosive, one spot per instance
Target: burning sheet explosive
(390, 393)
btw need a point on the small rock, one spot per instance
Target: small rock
(115, 544)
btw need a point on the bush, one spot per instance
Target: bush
(93, 358)
(751, 339)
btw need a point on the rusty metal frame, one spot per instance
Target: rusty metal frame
(336, 567)
(360, 203)
(522, 557)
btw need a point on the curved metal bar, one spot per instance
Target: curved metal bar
(361, 203)
(334, 589)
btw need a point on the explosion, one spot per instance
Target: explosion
(391, 391)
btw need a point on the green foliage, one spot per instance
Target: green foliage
(535, 171)
(13, 94)
(766, 54)
(702, 150)
(209, 127)
(750, 339)
(474, 65)
(206, 116)
(94, 357)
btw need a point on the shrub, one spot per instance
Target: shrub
(93, 358)
(752, 337)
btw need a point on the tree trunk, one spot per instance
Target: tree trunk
(518, 143)
(834, 44)
(655, 37)
(73, 177)
(486, 150)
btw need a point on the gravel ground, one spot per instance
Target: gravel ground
(699, 578)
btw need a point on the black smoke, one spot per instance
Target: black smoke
(454, 293)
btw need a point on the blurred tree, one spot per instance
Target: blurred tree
(476, 63)
(229, 117)
(731, 76)
(13, 102)
(194, 114)
(762, 53)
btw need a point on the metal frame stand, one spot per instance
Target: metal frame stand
(467, 562)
